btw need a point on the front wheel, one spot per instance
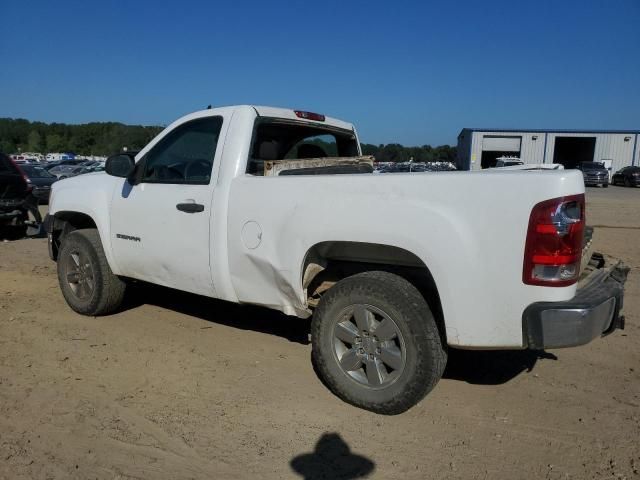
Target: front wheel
(86, 280)
(376, 343)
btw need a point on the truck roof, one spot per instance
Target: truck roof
(263, 111)
(289, 113)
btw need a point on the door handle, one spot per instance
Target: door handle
(190, 207)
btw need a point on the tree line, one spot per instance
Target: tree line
(394, 152)
(107, 138)
(96, 138)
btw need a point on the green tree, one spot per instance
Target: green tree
(34, 141)
(54, 143)
(7, 146)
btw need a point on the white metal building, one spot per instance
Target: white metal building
(479, 148)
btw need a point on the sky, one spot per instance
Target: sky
(413, 73)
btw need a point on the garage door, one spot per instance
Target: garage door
(501, 144)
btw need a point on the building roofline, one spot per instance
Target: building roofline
(538, 130)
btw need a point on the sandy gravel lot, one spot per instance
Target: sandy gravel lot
(179, 386)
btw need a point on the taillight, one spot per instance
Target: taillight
(553, 249)
(309, 115)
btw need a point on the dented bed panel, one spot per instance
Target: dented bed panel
(453, 234)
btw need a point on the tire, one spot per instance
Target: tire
(86, 280)
(627, 183)
(408, 352)
(605, 185)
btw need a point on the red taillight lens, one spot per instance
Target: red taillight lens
(553, 249)
(309, 115)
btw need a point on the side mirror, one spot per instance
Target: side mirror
(120, 165)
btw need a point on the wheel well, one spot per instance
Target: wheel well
(327, 263)
(66, 222)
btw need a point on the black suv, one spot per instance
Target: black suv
(594, 174)
(628, 176)
(16, 200)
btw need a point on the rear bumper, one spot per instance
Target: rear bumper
(593, 312)
(595, 182)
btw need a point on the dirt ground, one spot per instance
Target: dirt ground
(179, 386)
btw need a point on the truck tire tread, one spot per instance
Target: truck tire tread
(109, 288)
(400, 295)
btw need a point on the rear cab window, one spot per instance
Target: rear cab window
(281, 139)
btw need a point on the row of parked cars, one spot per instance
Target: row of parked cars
(595, 174)
(40, 176)
(403, 167)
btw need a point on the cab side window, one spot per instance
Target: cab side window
(185, 155)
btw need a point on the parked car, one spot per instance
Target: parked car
(89, 163)
(58, 163)
(40, 179)
(97, 167)
(627, 176)
(66, 171)
(594, 174)
(393, 269)
(16, 200)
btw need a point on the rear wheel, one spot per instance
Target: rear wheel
(86, 280)
(376, 343)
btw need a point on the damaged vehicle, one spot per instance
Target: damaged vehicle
(40, 180)
(16, 201)
(277, 207)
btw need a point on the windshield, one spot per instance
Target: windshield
(592, 165)
(36, 172)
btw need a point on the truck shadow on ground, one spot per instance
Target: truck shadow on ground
(491, 367)
(244, 317)
(331, 459)
(471, 366)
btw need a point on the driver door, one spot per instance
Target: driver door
(160, 225)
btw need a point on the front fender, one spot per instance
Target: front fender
(88, 195)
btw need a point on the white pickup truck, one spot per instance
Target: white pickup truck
(394, 269)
